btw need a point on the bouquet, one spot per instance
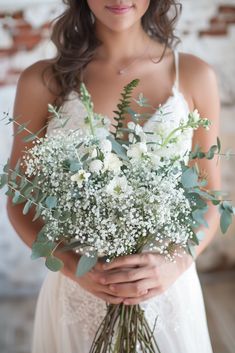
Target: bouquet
(108, 194)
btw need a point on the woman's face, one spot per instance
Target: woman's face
(118, 15)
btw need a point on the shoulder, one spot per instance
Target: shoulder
(197, 78)
(36, 88)
(38, 79)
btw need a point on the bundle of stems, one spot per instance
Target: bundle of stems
(125, 329)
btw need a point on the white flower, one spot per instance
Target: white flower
(112, 163)
(118, 185)
(135, 127)
(137, 150)
(106, 146)
(101, 133)
(131, 138)
(138, 129)
(96, 166)
(155, 159)
(93, 153)
(131, 125)
(195, 116)
(80, 177)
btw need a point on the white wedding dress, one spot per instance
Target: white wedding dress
(67, 316)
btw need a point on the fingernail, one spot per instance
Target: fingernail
(112, 288)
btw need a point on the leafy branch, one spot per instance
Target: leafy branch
(123, 105)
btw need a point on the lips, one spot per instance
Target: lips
(119, 8)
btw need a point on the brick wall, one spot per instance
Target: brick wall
(207, 28)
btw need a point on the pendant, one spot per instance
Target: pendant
(121, 72)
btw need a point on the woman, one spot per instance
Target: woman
(106, 44)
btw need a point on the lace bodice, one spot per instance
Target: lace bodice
(175, 109)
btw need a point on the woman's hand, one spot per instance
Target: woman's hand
(136, 278)
(91, 280)
(129, 279)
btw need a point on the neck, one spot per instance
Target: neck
(119, 46)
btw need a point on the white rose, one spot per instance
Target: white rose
(137, 150)
(106, 146)
(112, 163)
(96, 166)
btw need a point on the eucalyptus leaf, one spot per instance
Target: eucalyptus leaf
(3, 180)
(27, 207)
(41, 249)
(195, 239)
(38, 212)
(86, 263)
(16, 196)
(75, 166)
(191, 250)
(200, 235)
(198, 216)
(218, 144)
(211, 153)
(118, 148)
(53, 263)
(225, 221)
(6, 167)
(29, 138)
(51, 202)
(85, 157)
(227, 206)
(189, 178)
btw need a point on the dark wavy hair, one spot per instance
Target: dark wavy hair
(74, 37)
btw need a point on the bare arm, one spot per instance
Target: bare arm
(205, 97)
(31, 104)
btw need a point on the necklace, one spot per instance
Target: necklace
(123, 70)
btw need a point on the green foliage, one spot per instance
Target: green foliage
(189, 178)
(86, 263)
(226, 214)
(75, 166)
(198, 216)
(3, 180)
(123, 105)
(118, 148)
(27, 207)
(51, 202)
(41, 249)
(197, 153)
(53, 263)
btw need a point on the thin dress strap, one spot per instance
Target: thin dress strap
(176, 56)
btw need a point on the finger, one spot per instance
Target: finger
(109, 298)
(133, 289)
(151, 293)
(128, 275)
(130, 260)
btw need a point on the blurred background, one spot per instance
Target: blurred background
(207, 29)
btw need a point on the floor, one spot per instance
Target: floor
(16, 316)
